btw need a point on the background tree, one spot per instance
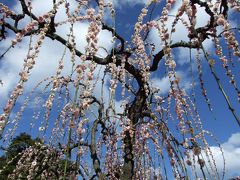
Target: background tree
(17, 146)
(39, 160)
(146, 135)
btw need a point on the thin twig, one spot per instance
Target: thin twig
(220, 86)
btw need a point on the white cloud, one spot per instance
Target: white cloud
(231, 150)
(121, 3)
(164, 83)
(181, 33)
(8, 81)
(40, 7)
(183, 54)
(50, 52)
(154, 37)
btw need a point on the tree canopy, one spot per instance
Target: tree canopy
(35, 163)
(11, 156)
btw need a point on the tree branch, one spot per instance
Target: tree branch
(104, 26)
(93, 148)
(160, 54)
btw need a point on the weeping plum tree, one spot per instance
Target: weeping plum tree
(107, 116)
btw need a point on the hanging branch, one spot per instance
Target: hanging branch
(220, 86)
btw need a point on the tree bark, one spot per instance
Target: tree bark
(134, 114)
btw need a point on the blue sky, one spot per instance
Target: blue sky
(223, 126)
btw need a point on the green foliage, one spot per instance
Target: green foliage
(11, 156)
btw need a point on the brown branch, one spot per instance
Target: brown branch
(120, 38)
(221, 33)
(134, 114)
(149, 19)
(224, 5)
(17, 19)
(2, 55)
(220, 86)
(9, 26)
(209, 12)
(160, 54)
(26, 11)
(199, 32)
(93, 148)
(102, 61)
(16, 30)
